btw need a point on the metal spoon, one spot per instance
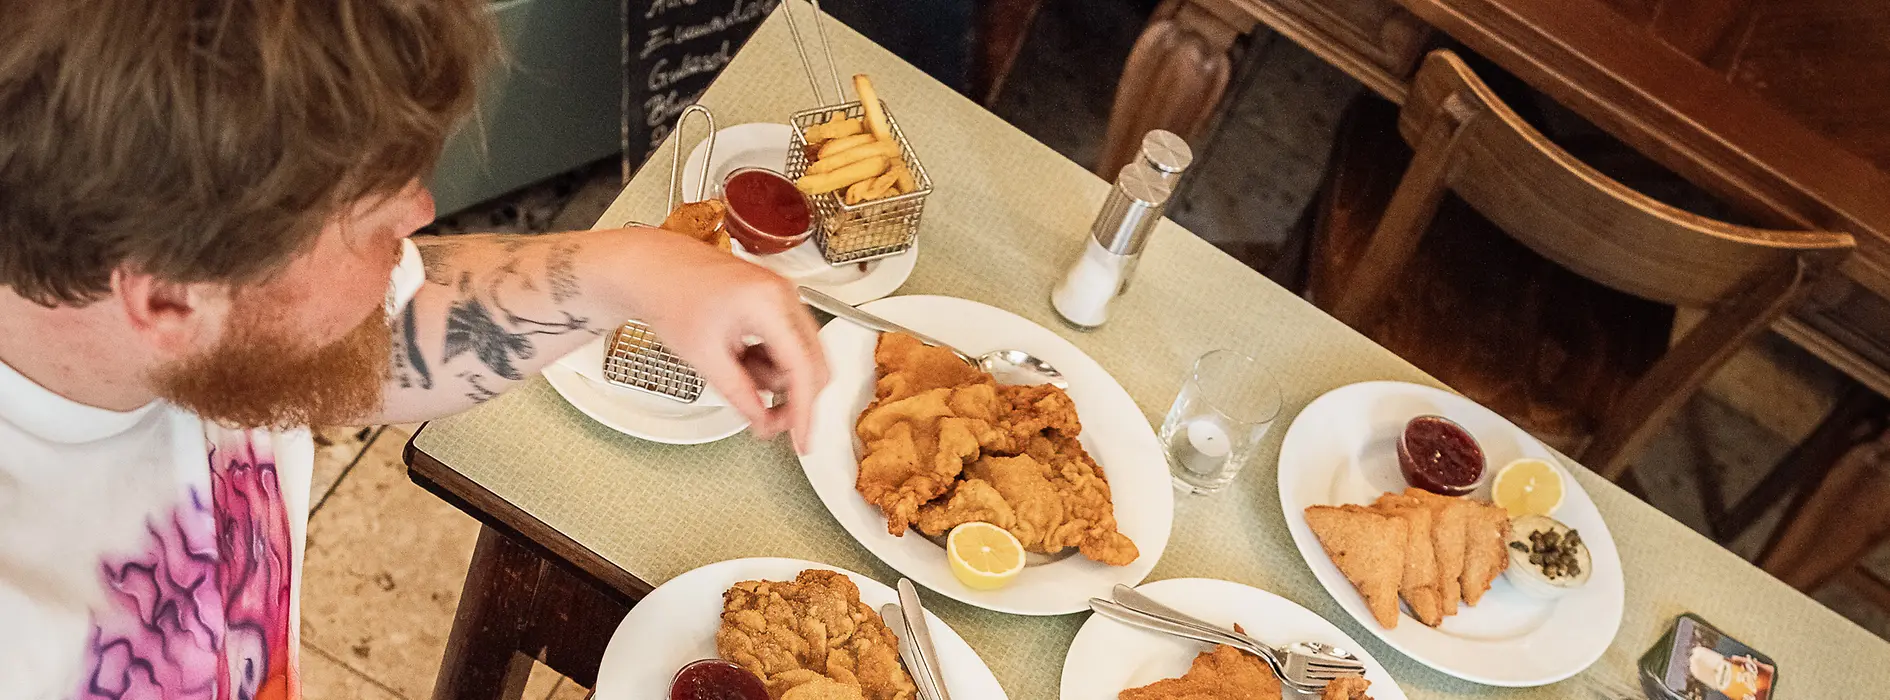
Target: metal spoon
(1013, 364)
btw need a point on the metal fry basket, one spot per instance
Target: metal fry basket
(850, 233)
(636, 359)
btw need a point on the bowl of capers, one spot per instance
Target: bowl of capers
(1546, 558)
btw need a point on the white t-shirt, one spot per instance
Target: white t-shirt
(150, 554)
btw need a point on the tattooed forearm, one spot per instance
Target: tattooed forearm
(437, 258)
(410, 366)
(494, 310)
(471, 326)
(561, 271)
(478, 392)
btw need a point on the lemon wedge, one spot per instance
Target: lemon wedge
(1528, 487)
(984, 556)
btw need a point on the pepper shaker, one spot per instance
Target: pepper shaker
(1121, 230)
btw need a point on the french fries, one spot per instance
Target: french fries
(842, 144)
(869, 102)
(904, 181)
(853, 155)
(856, 192)
(866, 190)
(822, 183)
(856, 157)
(834, 129)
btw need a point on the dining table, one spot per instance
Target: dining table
(582, 521)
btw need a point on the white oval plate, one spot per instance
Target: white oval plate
(1342, 449)
(676, 623)
(1115, 433)
(764, 145)
(635, 413)
(1108, 657)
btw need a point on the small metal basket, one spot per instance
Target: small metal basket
(635, 358)
(851, 233)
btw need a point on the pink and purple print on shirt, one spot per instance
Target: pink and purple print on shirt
(203, 613)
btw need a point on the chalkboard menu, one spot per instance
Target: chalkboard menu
(673, 49)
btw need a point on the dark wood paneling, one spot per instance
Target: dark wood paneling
(1708, 30)
(1827, 64)
(1640, 11)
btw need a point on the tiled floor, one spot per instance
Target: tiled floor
(385, 559)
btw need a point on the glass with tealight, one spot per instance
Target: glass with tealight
(1217, 421)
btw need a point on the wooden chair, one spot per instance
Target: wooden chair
(1531, 282)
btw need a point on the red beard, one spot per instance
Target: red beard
(260, 375)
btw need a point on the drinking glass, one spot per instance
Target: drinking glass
(1215, 426)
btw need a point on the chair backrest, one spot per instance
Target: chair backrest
(1572, 214)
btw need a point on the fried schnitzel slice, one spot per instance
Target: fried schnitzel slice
(934, 417)
(1368, 547)
(1048, 508)
(907, 367)
(1485, 558)
(1449, 516)
(808, 634)
(1419, 588)
(1225, 673)
(1035, 411)
(970, 501)
(823, 688)
(915, 448)
(1347, 688)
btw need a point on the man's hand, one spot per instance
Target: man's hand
(710, 307)
(496, 309)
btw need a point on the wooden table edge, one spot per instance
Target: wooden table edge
(528, 531)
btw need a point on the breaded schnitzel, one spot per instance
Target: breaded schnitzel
(1368, 548)
(1347, 688)
(805, 636)
(944, 444)
(916, 447)
(1432, 550)
(1225, 673)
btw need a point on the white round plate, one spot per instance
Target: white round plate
(764, 145)
(1342, 449)
(676, 623)
(1108, 657)
(1115, 433)
(635, 413)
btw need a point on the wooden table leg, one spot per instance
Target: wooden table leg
(517, 606)
(482, 660)
(1175, 77)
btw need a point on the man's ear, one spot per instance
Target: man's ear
(175, 319)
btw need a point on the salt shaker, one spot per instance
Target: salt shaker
(1121, 230)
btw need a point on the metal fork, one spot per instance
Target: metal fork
(1136, 618)
(1305, 663)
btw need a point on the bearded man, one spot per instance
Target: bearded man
(202, 204)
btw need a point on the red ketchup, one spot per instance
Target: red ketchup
(1440, 456)
(766, 213)
(715, 679)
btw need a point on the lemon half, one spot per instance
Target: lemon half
(984, 556)
(1528, 487)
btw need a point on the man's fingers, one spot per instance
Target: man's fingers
(811, 331)
(797, 353)
(723, 369)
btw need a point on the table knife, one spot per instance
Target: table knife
(922, 637)
(895, 619)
